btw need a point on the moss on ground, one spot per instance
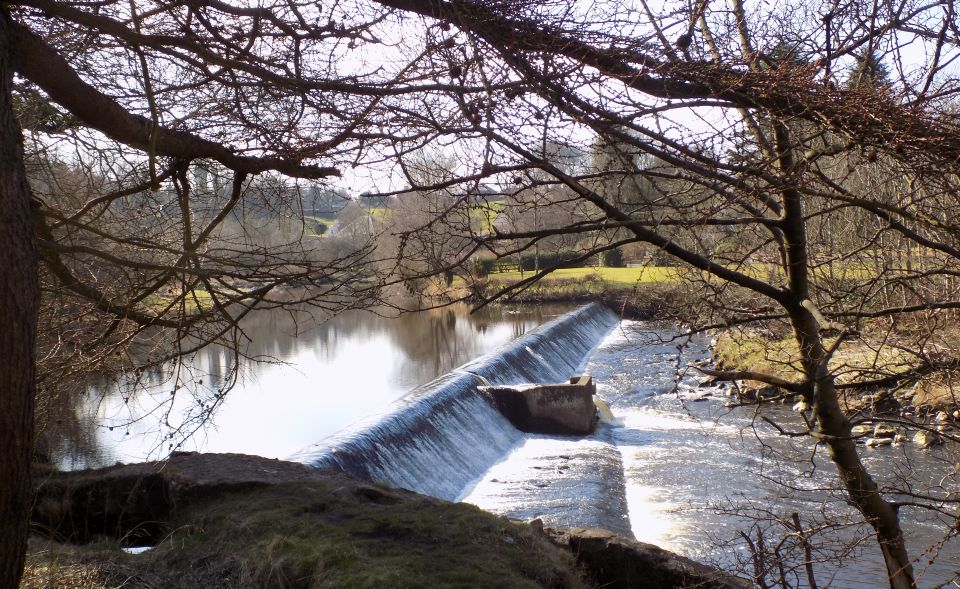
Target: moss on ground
(329, 533)
(777, 355)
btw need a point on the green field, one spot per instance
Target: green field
(483, 216)
(381, 214)
(616, 277)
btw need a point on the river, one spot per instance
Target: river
(679, 469)
(727, 471)
(299, 383)
(696, 474)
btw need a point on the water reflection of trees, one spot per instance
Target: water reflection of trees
(424, 345)
(442, 339)
(433, 342)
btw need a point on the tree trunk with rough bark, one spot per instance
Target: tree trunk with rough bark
(836, 431)
(834, 427)
(19, 296)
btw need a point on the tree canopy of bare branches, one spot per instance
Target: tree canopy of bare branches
(800, 157)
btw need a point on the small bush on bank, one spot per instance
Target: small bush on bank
(565, 258)
(614, 258)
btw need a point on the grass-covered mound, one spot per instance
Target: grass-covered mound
(332, 532)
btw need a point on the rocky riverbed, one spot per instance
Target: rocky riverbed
(887, 396)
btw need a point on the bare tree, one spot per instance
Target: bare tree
(804, 140)
(760, 162)
(163, 145)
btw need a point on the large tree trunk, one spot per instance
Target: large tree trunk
(18, 325)
(834, 427)
(861, 488)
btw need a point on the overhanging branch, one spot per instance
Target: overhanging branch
(39, 63)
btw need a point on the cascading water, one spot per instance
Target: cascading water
(442, 436)
(698, 473)
(666, 464)
(568, 482)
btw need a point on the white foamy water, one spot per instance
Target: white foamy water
(697, 474)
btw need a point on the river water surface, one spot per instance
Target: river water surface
(695, 469)
(304, 385)
(696, 475)
(678, 468)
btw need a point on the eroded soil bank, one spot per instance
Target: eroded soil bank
(227, 520)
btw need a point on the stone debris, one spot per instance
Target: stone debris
(926, 439)
(884, 430)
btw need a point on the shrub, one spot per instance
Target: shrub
(483, 266)
(613, 258)
(563, 258)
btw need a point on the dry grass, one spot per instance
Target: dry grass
(57, 566)
(857, 361)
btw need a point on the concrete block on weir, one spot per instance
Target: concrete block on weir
(559, 409)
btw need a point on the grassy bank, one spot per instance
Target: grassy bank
(233, 520)
(875, 370)
(649, 292)
(326, 533)
(614, 278)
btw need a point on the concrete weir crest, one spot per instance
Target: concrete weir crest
(441, 436)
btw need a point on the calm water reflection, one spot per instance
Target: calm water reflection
(298, 386)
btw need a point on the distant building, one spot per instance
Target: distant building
(324, 201)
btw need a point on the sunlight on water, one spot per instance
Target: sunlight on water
(308, 384)
(534, 462)
(272, 399)
(642, 422)
(697, 474)
(571, 482)
(651, 520)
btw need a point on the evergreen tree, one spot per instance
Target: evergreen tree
(868, 72)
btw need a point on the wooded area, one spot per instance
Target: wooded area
(800, 160)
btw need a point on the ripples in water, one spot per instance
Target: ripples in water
(695, 474)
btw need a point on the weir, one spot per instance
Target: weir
(441, 437)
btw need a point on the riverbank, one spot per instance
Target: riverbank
(881, 371)
(227, 520)
(877, 372)
(635, 293)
